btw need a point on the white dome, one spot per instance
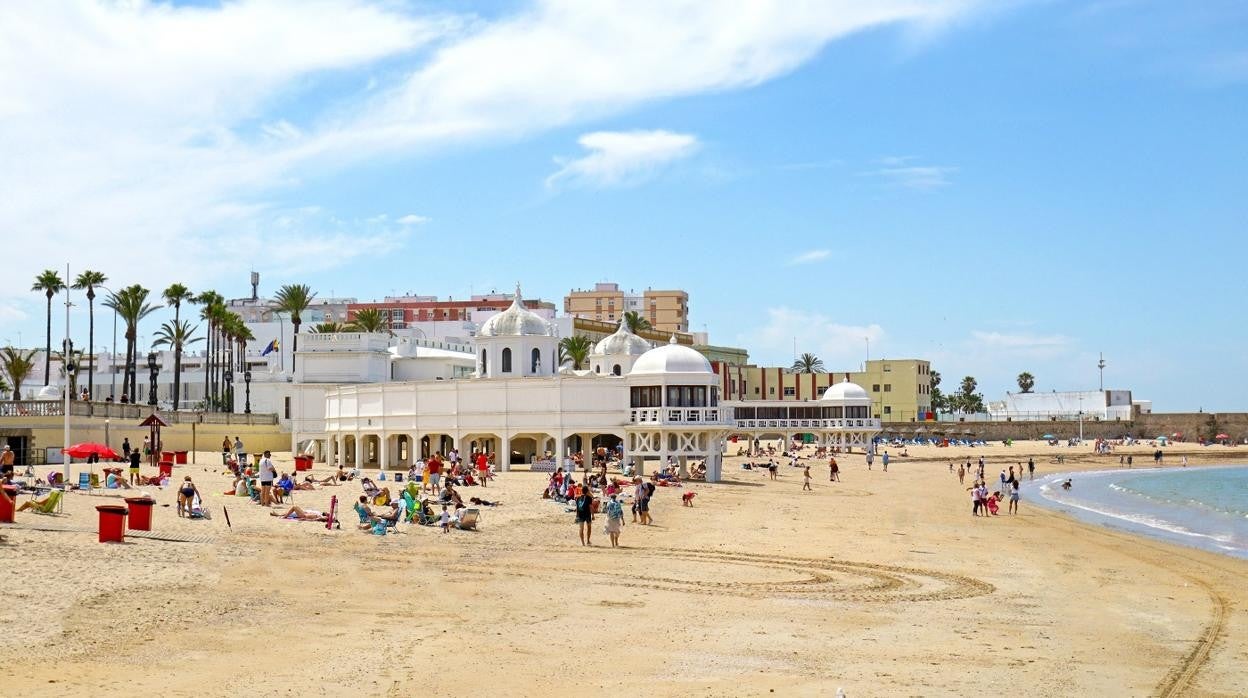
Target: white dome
(845, 391)
(622, 342)
(515, 321)
(671, 358)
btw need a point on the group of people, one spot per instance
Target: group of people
(984, 503)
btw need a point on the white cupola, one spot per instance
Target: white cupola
(516, 343)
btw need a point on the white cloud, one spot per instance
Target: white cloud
(413, 219)
(810, 257)
(842, 347)
(171, 129)
(618, 158)
(1022, 343)
(898, 171)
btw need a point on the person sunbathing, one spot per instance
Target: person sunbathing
(334, 478)
(308, 483)
(297, 513)
(114, 482)
(38, 503)
(449, 495)
(478, 502)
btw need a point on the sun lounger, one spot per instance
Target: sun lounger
(467, 520)
(50, 505)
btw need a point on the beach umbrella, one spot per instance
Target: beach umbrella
(84, 450)
(1048, 436)
(1222, 436)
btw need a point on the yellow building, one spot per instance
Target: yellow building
(900, 389)
(666, 310)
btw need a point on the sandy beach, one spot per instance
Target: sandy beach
(881, 584)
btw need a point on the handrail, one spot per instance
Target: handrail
(116, 410)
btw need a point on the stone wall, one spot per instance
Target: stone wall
(1191, 424)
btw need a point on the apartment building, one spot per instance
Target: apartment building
(666, 310)
(405, 310)
(900, 389)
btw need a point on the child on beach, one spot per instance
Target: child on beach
(446, 520)
(806, 477)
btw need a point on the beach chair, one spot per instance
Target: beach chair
(84, 482)
(50, 505)
(467, 520)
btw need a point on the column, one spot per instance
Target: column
(382, 451)
(359, 450)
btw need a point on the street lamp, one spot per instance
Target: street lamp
(228, 377)
(153, 370)
(247, 380)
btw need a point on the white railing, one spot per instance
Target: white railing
(799, 424)
(344, 341)
(681, 415)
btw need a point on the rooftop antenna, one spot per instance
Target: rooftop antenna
(255, 284)
(1100, 365)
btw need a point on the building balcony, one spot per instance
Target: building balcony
(681, 416)
(344, 341)
(800, 424)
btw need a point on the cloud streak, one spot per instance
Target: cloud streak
(622, 158)
(810, 257)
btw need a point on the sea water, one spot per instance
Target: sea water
(1203, 507)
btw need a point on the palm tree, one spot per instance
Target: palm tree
(329, 328)
(89, 280)
(294, 299)
(176, 295)
(575, 350)
(232, 331)
(807, 363)
(210, 300)
(131, 306)
(1026, 382)
(369, 320)
(636, 323)
(51, 284)
(176, 335)
(18, 365)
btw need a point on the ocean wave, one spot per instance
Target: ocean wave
(1151, 521)
(1184, 502)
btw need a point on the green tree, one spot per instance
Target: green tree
(369, 320)
(967, 400)
(130, 304)
(940, 401)
(71, 376)
(1026, 382)
(176, 295)
(177, 335)
(18, 365)
(50, 283)
(635, 322)
(294, 299)
(575, 350)
(807, 363)
(212, 303)
(89, 280)
(329, 328)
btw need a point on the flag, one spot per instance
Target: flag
(272, 347)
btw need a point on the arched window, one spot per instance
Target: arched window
(507, 360)
(537, 361)
(615, 370)
(483, 363)
(597, 368)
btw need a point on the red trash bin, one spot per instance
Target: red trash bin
(303, 463)
(8, 503)
(179, 457)
(140, 513)
(112, 523)
(166, 468)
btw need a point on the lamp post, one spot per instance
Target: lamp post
(106, 425)
(228, 377)
(153, 369)
(247, 380)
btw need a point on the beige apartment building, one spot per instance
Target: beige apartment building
(900, 389)
(667, 310)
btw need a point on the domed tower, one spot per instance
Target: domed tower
(674, 410)
(516, 342)
(846, 411)
(614, 354)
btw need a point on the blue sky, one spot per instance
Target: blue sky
(994, 186)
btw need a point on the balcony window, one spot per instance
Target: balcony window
(888, 387)
(789, 391)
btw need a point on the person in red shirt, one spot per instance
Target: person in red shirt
(483, 467)
(435, 475)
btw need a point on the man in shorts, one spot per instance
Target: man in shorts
(6, 464)
(268, 474)
(585, 515)
(135, 459)
(435, 475)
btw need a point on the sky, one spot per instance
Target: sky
(995, 186)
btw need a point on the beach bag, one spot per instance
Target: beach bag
(379, 529)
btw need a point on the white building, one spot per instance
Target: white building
(1105, 405)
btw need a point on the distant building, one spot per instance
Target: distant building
(900, 389)
(666, 310)
(403, 311)
(1066, 405)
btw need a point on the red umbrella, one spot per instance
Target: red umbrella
(87, 449)
(1222, 436)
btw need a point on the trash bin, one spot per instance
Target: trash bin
(8, 503)
(112, 523)
(179, 457)
(140, 513)
(167, 455)
(166, 468)
(303, 463)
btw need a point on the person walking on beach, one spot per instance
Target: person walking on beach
(135, 459)
(483, 468)
(870, 459)
(974, 490)
(446, 520)
(806, 477)
(1014, 497)
(884, 460)
(125, 448)
(615, 520)
(239, 452)
(268, 474)
(1129, 459)
(836, 471)
(1031, 468)
(585, 516)
(961, 474)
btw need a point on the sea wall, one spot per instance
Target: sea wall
(1192, 425)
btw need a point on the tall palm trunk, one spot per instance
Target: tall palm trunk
(208, 367)
(47, 353)
(91, 341)
(177, 358)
